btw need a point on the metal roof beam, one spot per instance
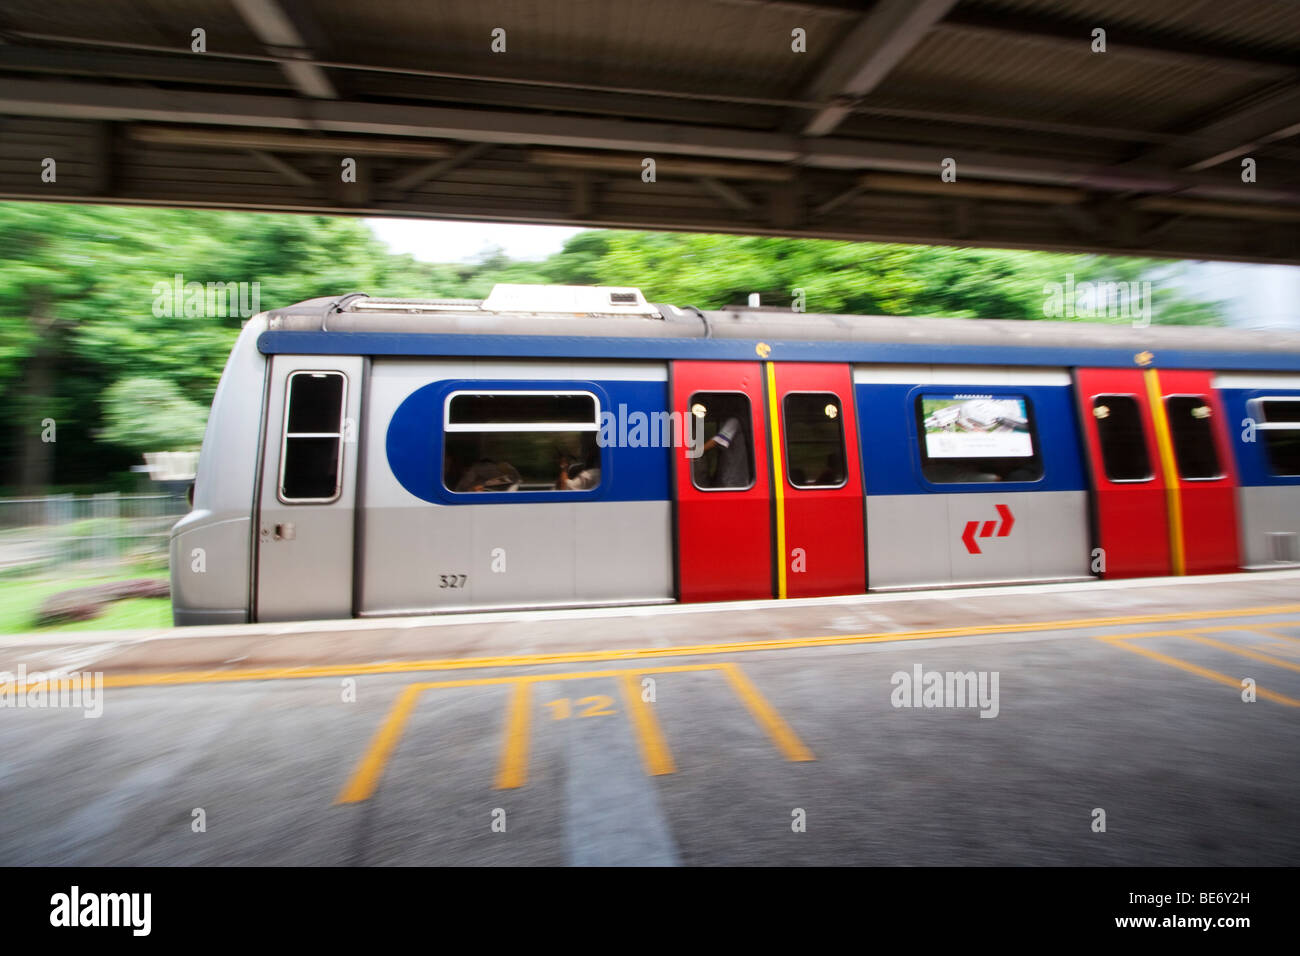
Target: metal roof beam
(727, 194)
(278, 165)
(282, 33)
(1122, 40)
(56, 100)
(1272, 116)
(875, 46)
(437, 170)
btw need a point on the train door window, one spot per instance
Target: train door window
(311, 460)
(1193, 437)
(721, 425)
(1278, 427)
(1123, 440)
(814, 440)
(977, 438)
(521, 441)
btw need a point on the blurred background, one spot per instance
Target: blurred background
(107, 369)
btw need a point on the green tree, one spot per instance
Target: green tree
(151, 414)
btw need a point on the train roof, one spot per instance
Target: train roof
(605, 322)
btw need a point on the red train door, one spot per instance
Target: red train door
(1162, 470)
(1205, 492)
(769, 486)
(1128, 475)
(818, 481)
(724, 542)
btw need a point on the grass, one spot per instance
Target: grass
(21, 597)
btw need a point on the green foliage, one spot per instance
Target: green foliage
(712, 271)
(151, 414)
(80, 342)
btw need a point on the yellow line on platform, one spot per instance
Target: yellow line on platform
(786, 740)
(1244, 652)
(366, 777)
(513, 771)
(1278, 634)
(1191, 668)
(649, 735)
(650, 653)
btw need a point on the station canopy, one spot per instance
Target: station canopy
(1164, 128)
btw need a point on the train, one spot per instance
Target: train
(559, 446)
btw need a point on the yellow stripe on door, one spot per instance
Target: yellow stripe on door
(779, 476)
(1173, 492)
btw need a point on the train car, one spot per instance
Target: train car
(555, 446)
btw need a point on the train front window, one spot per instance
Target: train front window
(1123, 439)
(814, 440)
(521, 441)
(1193, 436)
(977, 438)
(1278, 427)
(311, 455)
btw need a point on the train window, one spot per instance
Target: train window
(1278, 427)
(722, 423)
(1193, 436)
(814, 440)
(311, 458)
(977, 438)
(521, 441)
(1123, 440)
(503, 411)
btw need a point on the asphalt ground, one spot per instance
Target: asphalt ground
(1146, 723)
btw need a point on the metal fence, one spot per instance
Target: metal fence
(57, 531)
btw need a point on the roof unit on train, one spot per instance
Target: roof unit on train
(568, 299)
(508, 298)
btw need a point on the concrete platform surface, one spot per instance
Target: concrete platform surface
(1149, 722)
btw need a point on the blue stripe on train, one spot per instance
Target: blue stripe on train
(892, 455)
(414, 444)
(1251, 456)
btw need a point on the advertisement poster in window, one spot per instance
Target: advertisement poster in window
(976, 426)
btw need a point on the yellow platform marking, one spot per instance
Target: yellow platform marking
(785, 739)
(1277, 634)
(1126, 641)
(649, 735)
(157, 679)
(366, 777)
(1244, 652)
(512, 771)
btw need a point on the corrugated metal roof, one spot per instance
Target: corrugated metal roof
(1009, 88)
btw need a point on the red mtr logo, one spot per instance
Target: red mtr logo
(989, 530)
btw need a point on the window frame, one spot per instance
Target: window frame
(1214, 444)
(920, 392)
(749, 423)
(1101, 444)
(450, 428)
(785, 443)
(1255, 409)
(285, 435)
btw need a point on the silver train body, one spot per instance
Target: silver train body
(353, 464)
